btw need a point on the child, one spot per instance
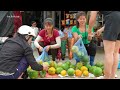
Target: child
(92, 50)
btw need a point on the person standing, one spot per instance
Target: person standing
(34, 26)
(111, 39)
(81, 31)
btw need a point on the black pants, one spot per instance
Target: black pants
(87, 48)
(91, 49)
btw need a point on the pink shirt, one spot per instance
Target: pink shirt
(46, 38)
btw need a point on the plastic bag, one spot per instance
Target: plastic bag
(44, 56)
(81, 48)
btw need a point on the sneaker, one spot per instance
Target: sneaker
(116, 76)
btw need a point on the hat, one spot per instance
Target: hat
(48, 20)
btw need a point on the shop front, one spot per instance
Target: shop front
(39, 17)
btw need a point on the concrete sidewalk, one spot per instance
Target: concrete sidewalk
(99, 57)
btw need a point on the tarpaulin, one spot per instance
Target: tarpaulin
(10, 21)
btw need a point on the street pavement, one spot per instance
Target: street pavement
(98, 58)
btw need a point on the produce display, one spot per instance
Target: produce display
(81, 69)
(67, 69)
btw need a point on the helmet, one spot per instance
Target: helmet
(25, 29)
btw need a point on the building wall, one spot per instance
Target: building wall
(55, 15)
(28, 16)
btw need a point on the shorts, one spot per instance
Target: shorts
(112, 27)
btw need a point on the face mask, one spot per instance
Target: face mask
(28, 39)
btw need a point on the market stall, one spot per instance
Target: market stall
(80, 68)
